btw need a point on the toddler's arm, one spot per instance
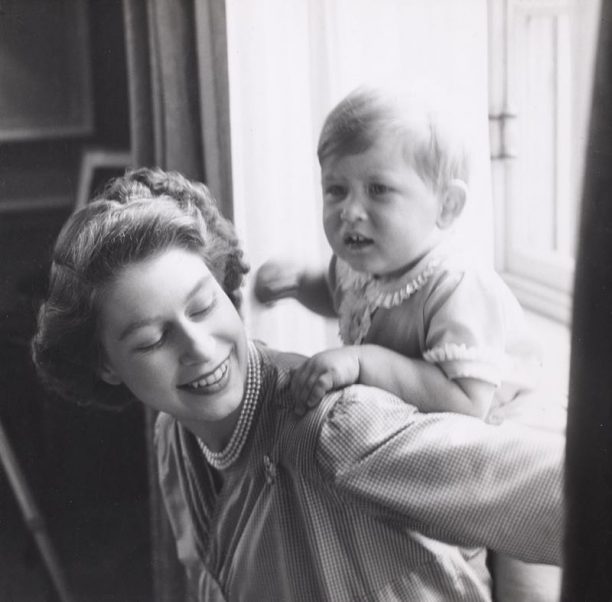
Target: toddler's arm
(416, 381)
(276, 280)
(423, 384)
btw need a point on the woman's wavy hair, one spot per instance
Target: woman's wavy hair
(135, 217)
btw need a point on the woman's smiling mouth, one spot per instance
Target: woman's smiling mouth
(210, 382)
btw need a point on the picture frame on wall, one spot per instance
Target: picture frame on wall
(98, 165)
(45, 74)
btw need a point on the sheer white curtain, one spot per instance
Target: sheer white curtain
(289, 62)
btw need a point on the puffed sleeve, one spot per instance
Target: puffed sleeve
(448, 476)
(465, 326)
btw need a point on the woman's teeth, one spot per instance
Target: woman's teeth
(210, 379)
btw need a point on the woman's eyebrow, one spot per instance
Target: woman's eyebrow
(199, 285)
(134, 326)
(137, 324)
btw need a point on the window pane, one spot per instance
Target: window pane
(540, 183)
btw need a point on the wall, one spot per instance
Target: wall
(86, 470)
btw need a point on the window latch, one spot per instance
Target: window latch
(502, 134)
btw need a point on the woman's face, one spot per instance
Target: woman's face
(173, 337)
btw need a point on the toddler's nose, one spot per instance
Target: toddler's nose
(352, 209)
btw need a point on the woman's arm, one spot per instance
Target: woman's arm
(447, 476)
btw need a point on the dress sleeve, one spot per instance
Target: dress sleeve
(465, 329)
(174, 501)
(445, 475)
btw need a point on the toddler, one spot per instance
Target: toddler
(417, 316)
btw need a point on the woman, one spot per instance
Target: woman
(265, 505)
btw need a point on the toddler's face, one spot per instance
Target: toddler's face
(174, 338)
(378, 214)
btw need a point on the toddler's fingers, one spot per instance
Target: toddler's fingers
(322, 385)
(299, 388)
(309, 385)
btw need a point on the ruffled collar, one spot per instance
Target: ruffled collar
(363, 293)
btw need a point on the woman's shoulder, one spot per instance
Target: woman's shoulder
(165, 437)
(277, 365)
(284, 360)
(346, 427)
(352, 415)
(163, 425)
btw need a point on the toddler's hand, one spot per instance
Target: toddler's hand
(323, 372)
(276, 280)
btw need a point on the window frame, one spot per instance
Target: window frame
(541, 280)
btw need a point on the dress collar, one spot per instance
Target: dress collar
(391, 291)
(363, 293)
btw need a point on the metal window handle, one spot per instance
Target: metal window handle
(502, 130)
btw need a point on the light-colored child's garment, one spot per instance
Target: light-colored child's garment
(450, 312)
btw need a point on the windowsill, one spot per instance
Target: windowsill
(542, 300)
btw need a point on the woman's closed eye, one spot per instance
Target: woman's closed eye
(202, 309)
(149, 339)
(151, 343)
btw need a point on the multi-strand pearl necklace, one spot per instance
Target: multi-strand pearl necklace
(229, 454)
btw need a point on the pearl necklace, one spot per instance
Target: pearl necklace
(227, 456)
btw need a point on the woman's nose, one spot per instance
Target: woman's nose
(352, 209)
(197, 345)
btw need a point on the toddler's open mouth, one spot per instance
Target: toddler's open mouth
(356, 241)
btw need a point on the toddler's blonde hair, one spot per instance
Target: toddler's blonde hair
(432, 143)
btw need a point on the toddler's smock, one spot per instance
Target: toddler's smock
(448, 311)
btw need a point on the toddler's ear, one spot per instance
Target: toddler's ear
(108, 375)
(452, 203)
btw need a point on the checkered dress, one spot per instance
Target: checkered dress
(343, 504)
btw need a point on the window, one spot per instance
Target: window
(541, 57)
(289, 63)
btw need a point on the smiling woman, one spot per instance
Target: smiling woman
(180, 349)
(265, 504)
(90, 255)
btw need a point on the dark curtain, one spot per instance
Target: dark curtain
(178, 89)
(588, 544)
(179, 120)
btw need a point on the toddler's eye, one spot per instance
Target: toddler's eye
(334, 192)
(377, 189)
